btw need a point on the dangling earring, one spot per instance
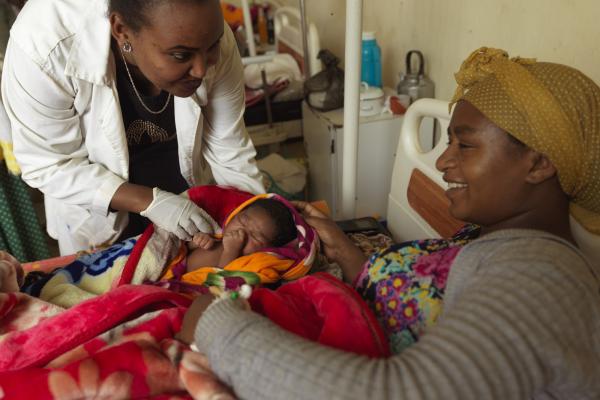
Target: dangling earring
(127, 47)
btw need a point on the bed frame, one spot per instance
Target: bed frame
(288, 39)
(417, 206)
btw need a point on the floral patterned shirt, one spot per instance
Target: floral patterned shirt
(404, 284)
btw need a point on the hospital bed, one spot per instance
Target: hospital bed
(417, 206)
(285, 117)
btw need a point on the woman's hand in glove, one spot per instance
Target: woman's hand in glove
(178, 215)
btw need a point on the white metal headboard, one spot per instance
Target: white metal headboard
(403, 221)
(288, 30)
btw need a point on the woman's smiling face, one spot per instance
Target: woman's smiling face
(485, 169)
(178, 44)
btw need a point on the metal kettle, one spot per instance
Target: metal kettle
(416, 85)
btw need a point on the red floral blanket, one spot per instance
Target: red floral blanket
(120, 344)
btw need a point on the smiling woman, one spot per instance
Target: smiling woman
(114, 115)
(521, 303)
(495, 181)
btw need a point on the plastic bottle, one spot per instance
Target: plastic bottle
(262, 24)
(371, 60)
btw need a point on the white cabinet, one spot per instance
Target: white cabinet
(377, 141)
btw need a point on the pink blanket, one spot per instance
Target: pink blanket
(120, 344)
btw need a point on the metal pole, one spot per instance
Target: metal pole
(351, 106)
(248, 26)
(267, 90)
(306, 59)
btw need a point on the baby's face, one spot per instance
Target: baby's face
(258, 226)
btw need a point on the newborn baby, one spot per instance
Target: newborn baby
(262, 224)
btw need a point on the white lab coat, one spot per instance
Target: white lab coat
(59, 90)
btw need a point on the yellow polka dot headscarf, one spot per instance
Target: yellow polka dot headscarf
(552, 108)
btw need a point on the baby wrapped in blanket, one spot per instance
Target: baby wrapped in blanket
(264, 240)
(243, 256)
(261, 224)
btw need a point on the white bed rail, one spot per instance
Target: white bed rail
(405, 223)
(288, 29)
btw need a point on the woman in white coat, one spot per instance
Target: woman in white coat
(117, 105)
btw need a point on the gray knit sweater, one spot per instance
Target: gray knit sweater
(521, 320)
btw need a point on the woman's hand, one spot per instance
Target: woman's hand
(11, 273)
(174, 213)
(192, 315)
(336, 246)
(334, 241)
(179, 215)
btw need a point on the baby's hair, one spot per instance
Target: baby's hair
(282, 217)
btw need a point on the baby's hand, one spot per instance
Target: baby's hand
(203, 241)
(234, 241)
(11, 273)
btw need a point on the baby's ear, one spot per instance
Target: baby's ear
(541, 168)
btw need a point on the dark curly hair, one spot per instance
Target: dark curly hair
(135, 12)
(282, 219)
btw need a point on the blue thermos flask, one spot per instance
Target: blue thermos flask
(371, 60)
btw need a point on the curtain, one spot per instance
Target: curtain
(20, 231)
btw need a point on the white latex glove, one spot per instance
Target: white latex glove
(178, 215)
